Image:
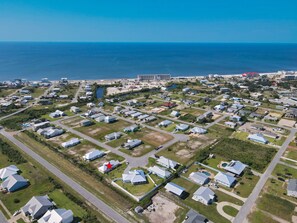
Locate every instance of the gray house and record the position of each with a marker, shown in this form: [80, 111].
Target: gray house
[37, 206]
[14, 183]
[194, 217]
[292, 188]
[132, 128]
[204, 195]
[112, 136]
[134, 177]
[132, 143]
[199, 178]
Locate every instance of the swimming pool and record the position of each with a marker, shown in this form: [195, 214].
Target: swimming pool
[206, 173]
[224, 164]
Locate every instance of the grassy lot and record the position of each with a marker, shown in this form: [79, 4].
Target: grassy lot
[276, 206]
[100, 189]
[240, 135]
[246, 184]
[284, 171]
[4, 212]
[217, 131]
[209, 211]
[291, 153]
[230, 210]
[37, 92]
[6, 92]
[21, 221]
[259, 217]
[62, 200]
[214, 162]
[256, 157]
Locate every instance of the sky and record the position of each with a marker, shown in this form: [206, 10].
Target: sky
[260, 21]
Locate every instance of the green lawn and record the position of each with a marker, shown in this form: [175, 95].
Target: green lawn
[230, 210]
[6, 92]
[137, 190]
[257, 157]
[246, 185]
[240, 135]
[284, 171]
[218, 131]
[259, 217]
[276, 206]
[62, 201]
[21, 221]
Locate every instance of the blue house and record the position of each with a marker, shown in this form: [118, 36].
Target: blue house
[14, 182]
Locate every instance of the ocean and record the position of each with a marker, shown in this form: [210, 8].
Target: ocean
[82, 61]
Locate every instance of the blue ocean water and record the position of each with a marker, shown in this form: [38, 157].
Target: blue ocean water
[34, 61]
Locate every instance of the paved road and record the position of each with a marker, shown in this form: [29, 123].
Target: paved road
[100, 205]
[246, 208]
[74, 100]
[14, 113]
[2, 218]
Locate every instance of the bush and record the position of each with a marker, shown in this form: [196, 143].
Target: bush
[12, 154]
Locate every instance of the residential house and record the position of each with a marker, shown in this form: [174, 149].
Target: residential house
[94, 154]
[168, 163]
[8, 171]
[86, 122]
[174, 114]
[109, 166]
[258, 137]
[165, 123]
[50, 132]
[292, 188]
[194, 217]
[132, 128]
[236, 167]
[134, 177]
[37, 206]
[182, 127]
[199, 178]
[109, 119]
[142, 117]
[291, 113]
[160, 172]
[257, 127]
[14, 183]
[117, 109]
[175, 189]
[256, 115]
[71, 142]
[74, 109]
[198, 130]
[219, 107]
[132, 143]
[40, 125]
[235, 118]
[57, 114]
[150, 119]
[112, 136]
[57, 216]
[204, 195]
[231, 125]
[225, 179]
[169, 104]
[136, 114]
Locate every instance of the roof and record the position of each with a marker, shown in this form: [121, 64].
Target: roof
[198, 177]
[257, 137]
[198, 130]
[93, 154]
[10, 182]
[131, 143]
[292, 185]
[35, 204]
[235, 166]
[225, 178]
[161, 172]
[71, 142]
[165, 122]
[205, 193]
[57, 216]
[174, 188]
[131, 128]
[163, 161]
[113, 164]
[135, 176]
[194, 217]
[182, 127]
[8, 171]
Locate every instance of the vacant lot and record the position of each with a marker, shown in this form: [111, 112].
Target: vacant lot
[257, 157]
[276, 206]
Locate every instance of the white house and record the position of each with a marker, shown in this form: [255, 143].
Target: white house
[236, 167]
[109, 166]
[8, 171]
[174, 114]
[165, 162]
[37, 206]
[74, 109]
[198, 130]
[175, 189]
[71, 142]
[132, 143]
[225, 179]
[204, 195]
[199, 178]
[109, 119]
[134, 177]
[160, 172]
[182, 127]
[165, 123]
[57, 216]
[57, 114]
[112, 136]
[93, 155]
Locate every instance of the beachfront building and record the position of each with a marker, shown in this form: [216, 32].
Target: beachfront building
[258, 137]
[153, 77]
[175, 189]
[199, 178]
[134, 177]
[204, 195]
[95, 154]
